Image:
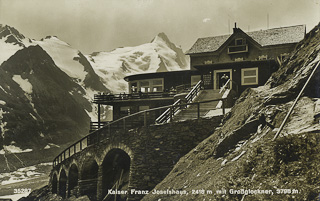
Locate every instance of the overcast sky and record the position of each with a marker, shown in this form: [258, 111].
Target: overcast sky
[103, 25]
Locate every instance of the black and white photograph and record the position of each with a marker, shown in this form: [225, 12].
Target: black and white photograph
[159, 100]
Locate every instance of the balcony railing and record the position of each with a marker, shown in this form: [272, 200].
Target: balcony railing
[237, 49]
[97, 125]
[139, 95]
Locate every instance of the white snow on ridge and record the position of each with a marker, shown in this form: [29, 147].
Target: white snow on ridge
[62, 54]
[13, 149]
[2, 102]
[7, 50]
[24, 84]
[115, 65]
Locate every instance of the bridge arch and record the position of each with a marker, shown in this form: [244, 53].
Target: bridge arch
[54, 183]
[73, 178]
[116, 173]
[62, 183]
[115, 146]
[89, 178]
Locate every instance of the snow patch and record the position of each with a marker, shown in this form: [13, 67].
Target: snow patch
[2, 123]
[45, 164]
[92, 116]
[35, 118]
[3, 89]
[14, 149]
[24, 84]
[54, 145]
[7, 50]
[237, 157]
[2, 102]
[22, 174]
[216, 112]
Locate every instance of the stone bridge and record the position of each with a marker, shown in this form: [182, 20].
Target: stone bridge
[126, 159]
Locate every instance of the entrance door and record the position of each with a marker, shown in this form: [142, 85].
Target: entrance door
[221, 77]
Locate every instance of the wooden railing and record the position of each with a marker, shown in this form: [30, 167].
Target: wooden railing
[140, 119]
[139, 95]
[169, 113]
[194, 92]
[225, 86]
[97, 125]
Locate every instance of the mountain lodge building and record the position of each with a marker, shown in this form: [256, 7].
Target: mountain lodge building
[248, 59]
[242, 59]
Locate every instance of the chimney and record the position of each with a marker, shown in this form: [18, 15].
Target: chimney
[235, 28]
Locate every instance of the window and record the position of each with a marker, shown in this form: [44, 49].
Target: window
[239, 46]
[143, 107]
[240, 41]
[124, 111]
[157, 85]
[145, 87]
[133, 87]
[249, 76]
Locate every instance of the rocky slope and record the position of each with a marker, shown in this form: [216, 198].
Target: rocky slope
[242, 154]
[46, 91]
[160, 55]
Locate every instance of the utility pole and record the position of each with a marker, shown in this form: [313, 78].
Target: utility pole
[267, 20]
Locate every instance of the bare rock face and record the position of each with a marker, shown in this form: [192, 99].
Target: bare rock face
[46, 97]
[38, 107]
[11, 34]
[242, 155]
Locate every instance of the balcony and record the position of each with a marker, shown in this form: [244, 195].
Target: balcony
[237, 49]
[109, 98]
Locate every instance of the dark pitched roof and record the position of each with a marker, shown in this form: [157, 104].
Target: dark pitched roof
[276, 36]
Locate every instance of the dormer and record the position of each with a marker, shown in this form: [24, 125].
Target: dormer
[239, 45]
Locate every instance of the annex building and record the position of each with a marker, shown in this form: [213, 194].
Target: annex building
[248, 59]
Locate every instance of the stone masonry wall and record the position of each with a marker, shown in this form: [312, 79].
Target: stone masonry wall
[153, 151]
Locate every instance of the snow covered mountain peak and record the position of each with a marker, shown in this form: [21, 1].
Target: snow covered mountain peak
[160, 55]
[11, 40]
[54, 39]
[161, 36]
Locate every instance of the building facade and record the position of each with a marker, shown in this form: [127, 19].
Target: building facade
[248, 59]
